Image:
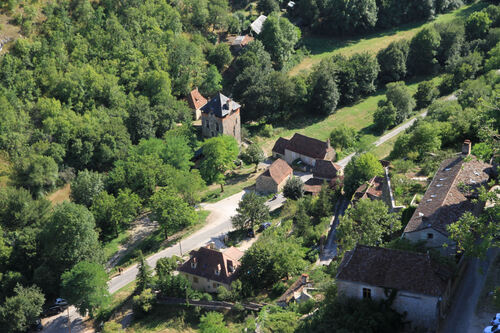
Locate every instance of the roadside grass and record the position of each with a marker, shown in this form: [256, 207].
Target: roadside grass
[117, 300]
[485, 302]
[156, 241]
[358, 116]
[322, 47]
[383, 151]
[60, 195]
[111, 247]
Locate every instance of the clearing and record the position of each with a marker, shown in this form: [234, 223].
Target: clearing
[322, 47]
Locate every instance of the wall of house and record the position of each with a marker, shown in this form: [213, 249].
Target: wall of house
[196, 114]
[291, 156]
[421, 310]
[266, 184]
[231, 125]
[330, 155]
[203, 284]
[210, 125]
[437, 240]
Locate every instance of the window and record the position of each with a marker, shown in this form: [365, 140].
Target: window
[216, 285]
[217, 127]
[430, 236]
[195, 279]
[208, 126]
[367, 293]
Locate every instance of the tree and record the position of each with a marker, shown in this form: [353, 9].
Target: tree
[144, 274]
[423, 51]
[294, 188]
[385, 115]
[143, 303]
[474, 235]
[399, 95]
[213, 322]
[493, 61]
[220, 56]
[220, 153]
[367, 223]
[322, 207]
[360, 168]
[251, 210]
[69, 237]
[392, 61]
[426, 94]
[171, 212]
[86, 287]
[477, 25]
[218, 11]
[279, 37]
[268, 6]
[165, 266]
[212, 82]
[36, 173]
[253, 154]
[325, 94]
[343, 137]
[19, 312]
[86, 186]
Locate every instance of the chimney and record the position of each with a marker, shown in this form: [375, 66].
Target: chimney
[228, 103]
[211, 246]
[466, 147]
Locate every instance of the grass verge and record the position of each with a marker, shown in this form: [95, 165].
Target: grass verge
[322, 47]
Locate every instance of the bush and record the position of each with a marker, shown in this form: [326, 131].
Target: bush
[267, 130]
[143, 303]
[112, 327]
[278, 289]
[294, 188]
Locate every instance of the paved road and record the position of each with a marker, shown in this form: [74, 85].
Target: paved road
[461, 317]
[330, 250]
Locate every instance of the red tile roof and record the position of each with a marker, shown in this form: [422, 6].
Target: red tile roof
[278, 171]
[196, 100]
[401, 270]
[371, 190]
[204, 262]
[445, 200]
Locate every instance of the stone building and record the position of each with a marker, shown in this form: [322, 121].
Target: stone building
[302, 147]
[221, 115]
[421, 286]
[274, 178]
[196, 101]
[450, 194]
[209, 269]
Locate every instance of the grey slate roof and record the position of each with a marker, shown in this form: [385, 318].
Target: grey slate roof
[220, 105]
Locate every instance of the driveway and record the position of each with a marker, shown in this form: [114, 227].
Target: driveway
[461, 317]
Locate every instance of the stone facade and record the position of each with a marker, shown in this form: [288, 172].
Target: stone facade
[265, 184]
[204, 284]
[422, 310]
[433, 239]
[229, 125]
[291, 156]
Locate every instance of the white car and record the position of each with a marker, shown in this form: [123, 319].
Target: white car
[496, 320]
[61, 302]
[492, 329]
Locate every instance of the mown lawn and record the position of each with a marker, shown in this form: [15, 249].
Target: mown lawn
[236, 182]
[322, 47]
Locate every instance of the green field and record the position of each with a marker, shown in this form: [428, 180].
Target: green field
[358, 116]
[322, 47]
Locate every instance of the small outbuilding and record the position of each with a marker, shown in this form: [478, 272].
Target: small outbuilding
[196, 101]
[274, 178]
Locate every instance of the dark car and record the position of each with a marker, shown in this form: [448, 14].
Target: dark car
[264, 226]
[251, 233]
[53, 310]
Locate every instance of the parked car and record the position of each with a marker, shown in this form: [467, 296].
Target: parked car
[492, 329]
[496, 320]
[61, 302]
[264, 226]
[53, 310]
[251, 233]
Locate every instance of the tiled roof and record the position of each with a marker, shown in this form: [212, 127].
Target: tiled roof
[196, 100]
[401, 270]
[371, 190]
[297, 286]
[445, 200]
[280, 145]
[325, 169]
[307, 146]
[313, 185]
[208, 261]
[220, 105]
[278, 171]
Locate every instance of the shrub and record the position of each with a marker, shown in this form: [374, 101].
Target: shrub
[267, 130]
[294, 188]
[143, 303]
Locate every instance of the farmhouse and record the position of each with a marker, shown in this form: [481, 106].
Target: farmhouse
[421, 285]
[304, 148]
[450, 194]
[274, 178]
[221, 115]
[208, 269]
[196, 101]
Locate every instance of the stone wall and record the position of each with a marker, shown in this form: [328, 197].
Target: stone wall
[229, 125]
[435, 241]
[265, 184]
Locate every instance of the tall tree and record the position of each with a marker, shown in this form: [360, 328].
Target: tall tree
[144, 274]
[86, 186]
[367, 223]
[422, 58]
[19, 312]
[361, 168]
[399, 95]
[343, 137]
[251, 210]
[324, 92]
[85, 286]
[253, 154]
[294, 188]
[171, 212]
[219, 155]
[213, 322]
[392, 61]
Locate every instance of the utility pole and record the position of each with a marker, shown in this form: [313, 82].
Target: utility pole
[69, 322]
[180, 248]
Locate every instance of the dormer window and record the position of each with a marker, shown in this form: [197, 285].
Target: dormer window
[194, 263]
[217, 270]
